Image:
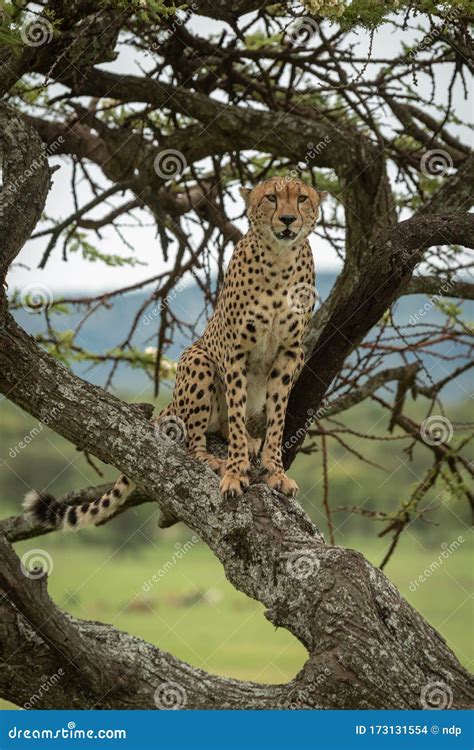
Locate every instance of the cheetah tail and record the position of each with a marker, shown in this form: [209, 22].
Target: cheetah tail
[45, 509]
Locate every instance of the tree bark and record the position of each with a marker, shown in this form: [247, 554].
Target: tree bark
[367, 647]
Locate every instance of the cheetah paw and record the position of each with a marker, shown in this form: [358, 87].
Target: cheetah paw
[277, 480]
[217, 465]
[233, 484]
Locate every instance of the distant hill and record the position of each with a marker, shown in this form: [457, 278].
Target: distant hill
[108, 327]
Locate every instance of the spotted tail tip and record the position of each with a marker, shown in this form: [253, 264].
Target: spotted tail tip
[42, 508]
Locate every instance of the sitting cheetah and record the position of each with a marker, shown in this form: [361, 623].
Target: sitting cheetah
[248, 357]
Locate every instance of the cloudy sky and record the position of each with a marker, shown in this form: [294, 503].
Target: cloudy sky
[79, 275]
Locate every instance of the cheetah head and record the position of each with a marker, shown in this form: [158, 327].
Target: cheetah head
[283, 211]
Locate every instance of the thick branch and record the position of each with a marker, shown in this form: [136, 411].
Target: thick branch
[27, 591]
[357, 395]
[395, 255]
[353, 623]
[436, 286]
[124, 672]
[259, 540]
[25, 183]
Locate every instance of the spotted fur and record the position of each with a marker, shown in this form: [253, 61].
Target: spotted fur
[248, 357]
[46, 510]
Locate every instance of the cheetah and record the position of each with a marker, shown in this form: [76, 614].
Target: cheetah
[248, 358]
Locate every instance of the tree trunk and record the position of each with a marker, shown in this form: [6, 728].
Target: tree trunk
[367, 648]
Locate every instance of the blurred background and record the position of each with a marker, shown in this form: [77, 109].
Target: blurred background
[189, 608]
[89, 286]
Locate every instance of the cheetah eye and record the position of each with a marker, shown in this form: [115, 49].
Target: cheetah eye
[271, 198]
[302, 198]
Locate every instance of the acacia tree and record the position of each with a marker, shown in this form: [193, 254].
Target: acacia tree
[281, 90]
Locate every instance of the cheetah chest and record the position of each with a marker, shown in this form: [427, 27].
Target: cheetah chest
[259, 364]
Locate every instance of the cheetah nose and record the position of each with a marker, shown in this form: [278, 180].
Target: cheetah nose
[286, 219]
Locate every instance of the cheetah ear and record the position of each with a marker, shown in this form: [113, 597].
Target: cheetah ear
[322, 195]
[245, 192]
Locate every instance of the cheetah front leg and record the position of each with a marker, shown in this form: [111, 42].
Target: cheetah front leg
[286, 368]
[235, 478]
[253, 444]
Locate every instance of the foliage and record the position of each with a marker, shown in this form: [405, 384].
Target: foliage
[290, 90]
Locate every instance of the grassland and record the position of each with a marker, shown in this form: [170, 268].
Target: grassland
[194, 613]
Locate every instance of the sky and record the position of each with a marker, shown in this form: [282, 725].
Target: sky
[78, 275]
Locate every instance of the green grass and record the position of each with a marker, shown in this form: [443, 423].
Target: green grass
[194, 613]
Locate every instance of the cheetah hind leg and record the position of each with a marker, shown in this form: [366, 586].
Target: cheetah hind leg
[192, 402]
